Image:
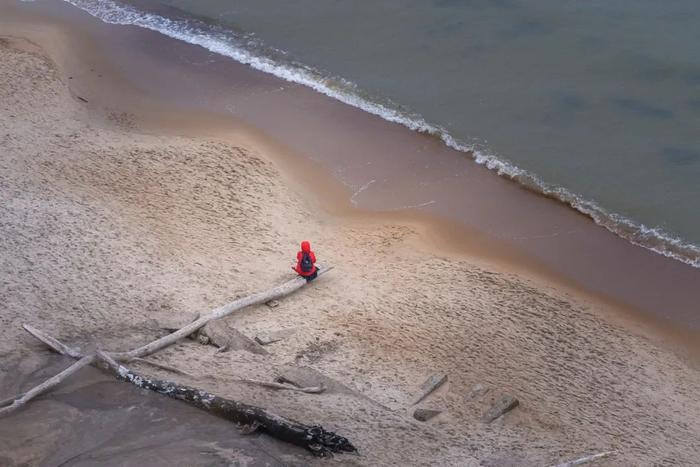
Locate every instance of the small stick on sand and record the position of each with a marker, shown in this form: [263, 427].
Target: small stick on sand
[164, 367]
[585, 460]
[289, 387]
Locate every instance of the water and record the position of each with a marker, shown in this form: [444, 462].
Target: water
[596, 103]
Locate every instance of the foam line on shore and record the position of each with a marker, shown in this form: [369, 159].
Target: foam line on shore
[246, 51]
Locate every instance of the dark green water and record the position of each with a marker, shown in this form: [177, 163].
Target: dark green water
[596, 102]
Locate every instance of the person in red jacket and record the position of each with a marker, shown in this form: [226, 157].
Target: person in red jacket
[306, 262]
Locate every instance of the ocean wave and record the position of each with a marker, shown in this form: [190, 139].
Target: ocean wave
[244, 50]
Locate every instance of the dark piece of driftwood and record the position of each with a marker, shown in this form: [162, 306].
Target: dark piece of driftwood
[313, 438]
[423, 415]
[586, 460]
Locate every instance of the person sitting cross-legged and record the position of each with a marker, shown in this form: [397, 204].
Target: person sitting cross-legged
[306, 262]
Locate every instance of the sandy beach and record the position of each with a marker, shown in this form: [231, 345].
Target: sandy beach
[121, 214]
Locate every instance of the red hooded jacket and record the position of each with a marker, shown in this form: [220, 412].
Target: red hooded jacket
[305, 248]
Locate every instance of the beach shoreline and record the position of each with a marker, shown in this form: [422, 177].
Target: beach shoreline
[556, 243]
[384, 167]
[508, 320]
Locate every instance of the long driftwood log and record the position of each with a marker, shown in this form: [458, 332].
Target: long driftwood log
[314, 438]
[255, 299]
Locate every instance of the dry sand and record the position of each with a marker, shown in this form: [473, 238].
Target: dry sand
[106, 229]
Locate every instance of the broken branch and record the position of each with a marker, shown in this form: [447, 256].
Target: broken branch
[46, 385]
[585, 460]
[218, 313]
[57, 346]
[289, 387]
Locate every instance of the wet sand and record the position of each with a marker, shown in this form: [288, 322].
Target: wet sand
[125, 209]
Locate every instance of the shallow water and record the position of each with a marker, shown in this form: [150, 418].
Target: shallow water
[598, 101]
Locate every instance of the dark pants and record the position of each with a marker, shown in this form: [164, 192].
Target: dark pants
[311, 276]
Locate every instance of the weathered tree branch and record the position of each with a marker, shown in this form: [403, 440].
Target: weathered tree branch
[254, 299]
[218, 313]
[57, 346]
[46, 385]
[585, 460]
[314, 438]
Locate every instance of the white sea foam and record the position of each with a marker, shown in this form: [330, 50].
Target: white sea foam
[241, 50]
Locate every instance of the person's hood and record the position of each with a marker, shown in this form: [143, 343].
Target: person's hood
[305, 246]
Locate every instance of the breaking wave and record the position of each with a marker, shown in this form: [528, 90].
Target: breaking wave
[250, 51]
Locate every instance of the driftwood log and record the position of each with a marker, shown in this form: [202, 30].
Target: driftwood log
[314, 438]
[218, 313]
[165, 341]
